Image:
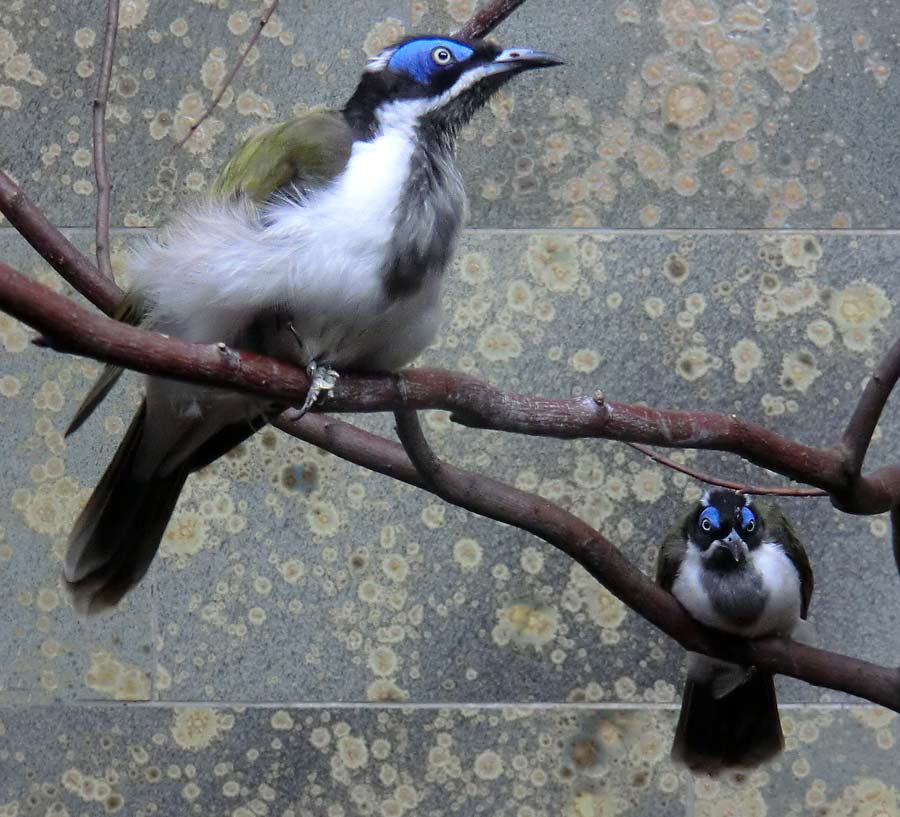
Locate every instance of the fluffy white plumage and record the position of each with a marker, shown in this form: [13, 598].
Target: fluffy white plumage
[218, 266]
[780, 580]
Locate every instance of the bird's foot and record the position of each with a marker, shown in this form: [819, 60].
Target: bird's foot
[321, 381]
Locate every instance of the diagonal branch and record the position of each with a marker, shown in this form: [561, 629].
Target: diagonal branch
[101, 164]
[486, 19]
[861, 427]
[503, 503]
[55, 248]
[260, 25]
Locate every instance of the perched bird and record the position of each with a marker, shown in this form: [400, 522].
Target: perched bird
[737, 567]
[324, 243]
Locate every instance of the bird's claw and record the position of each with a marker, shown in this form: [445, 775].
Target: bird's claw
[321, 381]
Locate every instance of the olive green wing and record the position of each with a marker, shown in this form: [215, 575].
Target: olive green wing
[779, 529]
[671, 553]
[132, 311]
[303, 154]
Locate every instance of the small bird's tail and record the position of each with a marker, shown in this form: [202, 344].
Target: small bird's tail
[118, 533]
[740, 730]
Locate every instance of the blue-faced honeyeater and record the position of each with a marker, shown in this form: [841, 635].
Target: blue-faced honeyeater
[324, 243]
[738, 566]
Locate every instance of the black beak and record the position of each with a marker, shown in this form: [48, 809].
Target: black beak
[524, 59]
[734, 546]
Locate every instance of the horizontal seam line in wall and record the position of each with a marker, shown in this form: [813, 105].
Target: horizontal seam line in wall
[375, 706]
[599, 231]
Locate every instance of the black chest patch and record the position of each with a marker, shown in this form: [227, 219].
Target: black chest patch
[428, 222]
[737, 595]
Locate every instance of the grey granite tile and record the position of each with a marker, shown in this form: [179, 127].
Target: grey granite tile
[46, 652]
[172, 56]
[668, 112]
[689, 113]
[837, 761]
[337, 762]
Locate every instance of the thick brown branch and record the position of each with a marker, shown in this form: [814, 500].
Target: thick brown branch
[55, 248]
[72, 329]
[495, 500]
[486, 19]
[101, 164]
[709, 479]
[859, 431]
[260, 25]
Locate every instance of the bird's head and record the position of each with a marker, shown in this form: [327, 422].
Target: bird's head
[725, 528]
[435, 83]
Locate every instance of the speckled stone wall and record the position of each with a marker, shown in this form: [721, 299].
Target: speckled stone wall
[698, 210]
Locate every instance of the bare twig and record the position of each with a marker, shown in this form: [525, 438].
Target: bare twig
[495, 500]
[486, 19]
[756, 490]
[55, 248]
[101, 164]
[260, 25]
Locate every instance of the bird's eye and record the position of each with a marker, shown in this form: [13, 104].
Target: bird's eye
[709, 519]
[442, 55]
[748, 520]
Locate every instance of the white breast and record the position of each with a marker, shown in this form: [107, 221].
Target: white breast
[780, 580]
[216, 266]
[782, 583]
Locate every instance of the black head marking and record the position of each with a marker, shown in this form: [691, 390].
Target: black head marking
[722, 512]
[435, 68]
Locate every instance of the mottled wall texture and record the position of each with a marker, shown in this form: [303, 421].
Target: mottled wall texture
[698, 210]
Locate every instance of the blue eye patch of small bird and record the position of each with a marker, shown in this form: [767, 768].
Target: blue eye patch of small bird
[710, 519]
[748, 520]
[423, 59]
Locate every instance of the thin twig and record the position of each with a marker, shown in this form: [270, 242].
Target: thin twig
[260, 25]
[101, 163]
[55, 248]
[756, 490]
[503, 503]
[486, 19]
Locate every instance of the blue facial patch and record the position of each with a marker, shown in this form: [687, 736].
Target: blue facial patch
[711, 517]
[422, 59]
[748, 519]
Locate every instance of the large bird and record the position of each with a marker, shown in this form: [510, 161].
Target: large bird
[325, 242]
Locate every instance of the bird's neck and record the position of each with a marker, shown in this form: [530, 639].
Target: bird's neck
[430, 204]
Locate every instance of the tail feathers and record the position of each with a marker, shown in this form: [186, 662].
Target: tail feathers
[118, 533]
[740, 730]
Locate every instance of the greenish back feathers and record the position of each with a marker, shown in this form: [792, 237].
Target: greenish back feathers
[307, 152]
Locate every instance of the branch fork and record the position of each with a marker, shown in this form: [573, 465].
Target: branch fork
[836, 472]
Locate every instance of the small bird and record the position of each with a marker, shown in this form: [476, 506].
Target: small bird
[324, 243]
[737, 567]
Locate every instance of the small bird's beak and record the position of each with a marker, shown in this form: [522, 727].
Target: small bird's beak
[735, 546]
[524, 59]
